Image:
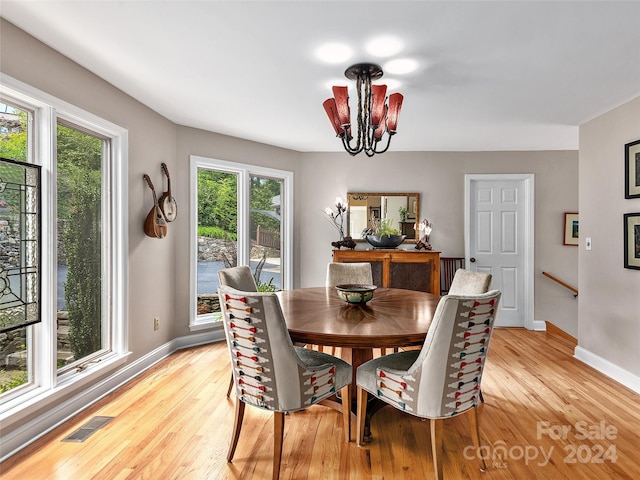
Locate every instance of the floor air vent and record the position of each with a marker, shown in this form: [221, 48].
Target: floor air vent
[89, 428]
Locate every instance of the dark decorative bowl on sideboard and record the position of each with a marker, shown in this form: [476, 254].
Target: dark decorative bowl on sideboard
[385, 241]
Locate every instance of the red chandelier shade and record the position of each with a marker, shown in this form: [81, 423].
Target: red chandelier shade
[395, 104]
[332, 112]
[378, 96]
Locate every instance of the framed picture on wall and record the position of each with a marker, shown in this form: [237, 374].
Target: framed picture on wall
[632, 169]
[571, 229]
[632, 240]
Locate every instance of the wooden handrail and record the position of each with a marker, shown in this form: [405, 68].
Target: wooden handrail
[565, 285]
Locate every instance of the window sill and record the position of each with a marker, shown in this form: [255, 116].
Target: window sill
[29, 404]
[205, 322]
[194, 327]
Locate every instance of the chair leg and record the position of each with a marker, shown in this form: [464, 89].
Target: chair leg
[278, 435]
[362, 414]
[436, 446]
[346, 413]
[475, 434]
[237, 426]
[230, 386]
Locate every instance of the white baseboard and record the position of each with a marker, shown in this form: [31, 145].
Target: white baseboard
[35, 428]
[611, 370]
[535, 325]
[539, 326]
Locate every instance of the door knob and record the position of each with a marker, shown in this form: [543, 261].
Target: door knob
[472, 260]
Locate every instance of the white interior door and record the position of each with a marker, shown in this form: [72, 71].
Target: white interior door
[499, 241]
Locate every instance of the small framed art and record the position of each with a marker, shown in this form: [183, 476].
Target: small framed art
[632, 240]
[571, 229]
[632, 170]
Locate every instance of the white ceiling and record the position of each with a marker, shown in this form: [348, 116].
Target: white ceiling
[492, 75]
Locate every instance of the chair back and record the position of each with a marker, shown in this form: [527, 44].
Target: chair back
[444, 380]
[267, 371]
[345, 273]
[466, 282]
[239, 277]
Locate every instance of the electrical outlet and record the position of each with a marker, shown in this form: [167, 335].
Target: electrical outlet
[156, 323]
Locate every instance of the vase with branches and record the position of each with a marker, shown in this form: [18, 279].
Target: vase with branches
[336, 217]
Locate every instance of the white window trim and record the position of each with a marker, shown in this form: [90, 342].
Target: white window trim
[244, 171]
[50, 387]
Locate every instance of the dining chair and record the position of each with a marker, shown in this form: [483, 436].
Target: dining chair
[354, 272]
[467, 282]
[240, 278]
[345, 273]
[271, 373]
[442, 379]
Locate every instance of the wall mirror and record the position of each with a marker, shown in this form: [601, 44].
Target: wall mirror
[402, 209]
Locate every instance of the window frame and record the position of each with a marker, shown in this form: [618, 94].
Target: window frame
[48, 384]
[244, 172]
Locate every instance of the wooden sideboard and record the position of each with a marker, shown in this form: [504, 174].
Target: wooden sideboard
[408, 269]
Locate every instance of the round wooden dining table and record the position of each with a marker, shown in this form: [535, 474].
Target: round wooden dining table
[392, 318]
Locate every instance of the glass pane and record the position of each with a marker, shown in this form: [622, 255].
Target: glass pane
[14, 132]
[16, 368]
[217, 233]
[19, 244]
[265, 232]
[79, 321]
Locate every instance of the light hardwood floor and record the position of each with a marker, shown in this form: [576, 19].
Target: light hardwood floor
[174, 422]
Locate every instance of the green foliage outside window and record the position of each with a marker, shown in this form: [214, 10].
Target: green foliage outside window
[13, 136]
[79, 162]
[217, 200]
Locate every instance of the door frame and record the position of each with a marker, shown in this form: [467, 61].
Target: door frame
[528, 182]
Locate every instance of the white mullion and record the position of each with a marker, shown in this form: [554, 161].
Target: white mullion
[244, 242]
[45, 347]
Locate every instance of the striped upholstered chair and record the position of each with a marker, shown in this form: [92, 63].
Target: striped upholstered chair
[467, 282]
[240, 278]
[269, 372]
[442, 379]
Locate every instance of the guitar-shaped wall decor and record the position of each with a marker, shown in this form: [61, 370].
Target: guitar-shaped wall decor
[167, 202]
[155, 225]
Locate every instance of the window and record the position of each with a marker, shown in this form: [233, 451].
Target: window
[20, 225]
[82, 329]
[16, 372]
[241, 215]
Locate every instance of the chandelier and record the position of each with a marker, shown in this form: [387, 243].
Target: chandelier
[375, 116]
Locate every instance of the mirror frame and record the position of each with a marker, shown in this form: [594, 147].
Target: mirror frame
[350, 196]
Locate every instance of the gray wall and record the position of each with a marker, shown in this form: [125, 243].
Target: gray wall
[439, 177]
[609, 305]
